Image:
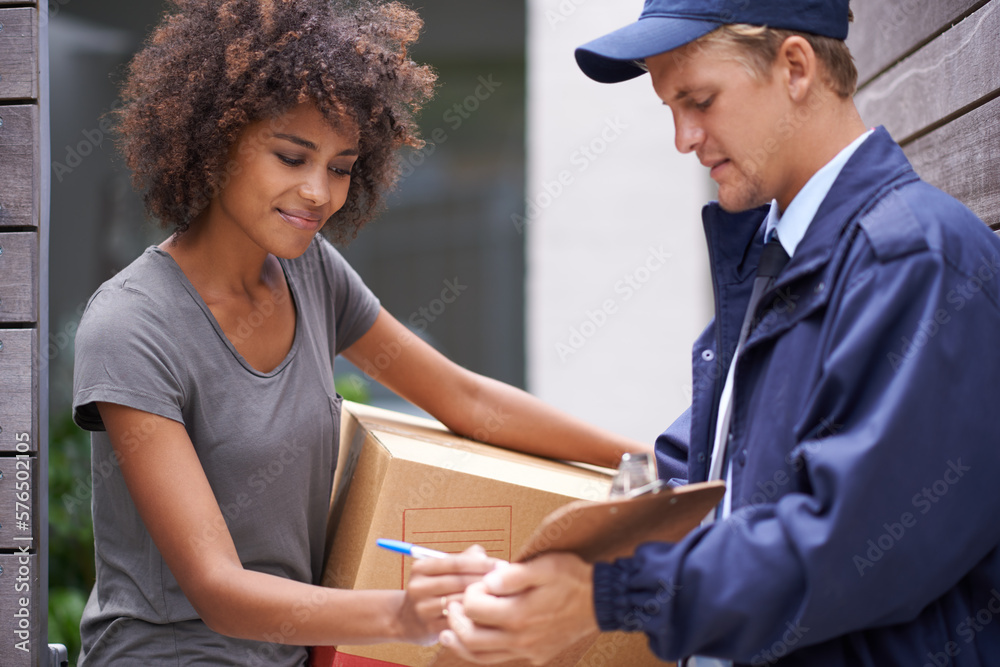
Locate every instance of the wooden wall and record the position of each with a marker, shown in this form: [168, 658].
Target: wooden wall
[930, 72]
[23, 306]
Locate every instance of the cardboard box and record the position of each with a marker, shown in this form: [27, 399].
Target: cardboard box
[408, 478]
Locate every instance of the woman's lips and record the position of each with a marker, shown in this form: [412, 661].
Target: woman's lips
[304, 220]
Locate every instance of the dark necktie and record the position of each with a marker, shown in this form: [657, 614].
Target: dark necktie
[772, 261]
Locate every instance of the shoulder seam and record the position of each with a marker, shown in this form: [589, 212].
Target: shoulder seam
[945, 261]
[903, 237]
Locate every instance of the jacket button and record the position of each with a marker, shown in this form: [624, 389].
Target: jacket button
[743, 457]
[701, 457]
[708, 355]
[820, 288]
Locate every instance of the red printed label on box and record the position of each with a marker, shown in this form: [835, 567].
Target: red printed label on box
[455, 529]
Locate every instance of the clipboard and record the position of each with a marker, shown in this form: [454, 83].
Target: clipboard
[605, 530]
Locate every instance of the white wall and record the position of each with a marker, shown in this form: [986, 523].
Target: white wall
[610, 321]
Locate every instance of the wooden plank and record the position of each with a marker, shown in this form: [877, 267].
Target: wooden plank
[18, 502]
[19, 176]
[20, 640]
[18, 54]
[886, 30]
[19, 398]
[43, 158]
[19, 277]
[963, 159]
[954, 72]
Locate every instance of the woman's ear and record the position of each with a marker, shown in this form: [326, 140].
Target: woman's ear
[798, 65]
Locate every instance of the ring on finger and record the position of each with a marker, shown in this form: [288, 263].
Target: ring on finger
[444, 605]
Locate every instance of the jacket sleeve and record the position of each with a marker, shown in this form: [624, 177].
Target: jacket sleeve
[672, 450]
[882, 522]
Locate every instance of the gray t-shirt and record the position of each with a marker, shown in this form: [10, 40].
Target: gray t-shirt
[267, 442]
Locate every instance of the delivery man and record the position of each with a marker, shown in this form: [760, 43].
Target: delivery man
[851, 408]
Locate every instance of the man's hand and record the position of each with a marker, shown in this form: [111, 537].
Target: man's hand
[534, 610]
[433, 584]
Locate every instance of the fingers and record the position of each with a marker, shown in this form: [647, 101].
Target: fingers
[471, 561]
[434, 610]
[436, 582]
[543, 608]
[434, 587]
[491, 645]
[513, 579]
[432, 578]
[428, 614]
[489, 610]
[518, 578]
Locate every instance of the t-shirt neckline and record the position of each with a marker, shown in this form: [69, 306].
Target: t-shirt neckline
[196, 297]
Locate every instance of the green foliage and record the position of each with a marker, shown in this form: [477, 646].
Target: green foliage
[71, 531]
[353, 387]
[65, 609]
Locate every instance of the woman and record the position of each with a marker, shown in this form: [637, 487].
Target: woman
[251, 125]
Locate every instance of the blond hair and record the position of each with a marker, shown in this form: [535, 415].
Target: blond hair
[756, 48]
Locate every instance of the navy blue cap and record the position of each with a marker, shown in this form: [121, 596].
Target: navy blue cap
[668, 24]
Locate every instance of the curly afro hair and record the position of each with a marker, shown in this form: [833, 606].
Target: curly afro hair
[211, 68]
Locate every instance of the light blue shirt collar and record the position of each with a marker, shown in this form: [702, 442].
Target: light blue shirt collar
[793, 224]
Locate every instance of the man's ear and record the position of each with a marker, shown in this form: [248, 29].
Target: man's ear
[798, 67]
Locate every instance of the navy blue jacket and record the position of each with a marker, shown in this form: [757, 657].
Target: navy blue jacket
[865, 446]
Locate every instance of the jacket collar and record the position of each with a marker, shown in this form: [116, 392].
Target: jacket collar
[735, 240]
[878, 162]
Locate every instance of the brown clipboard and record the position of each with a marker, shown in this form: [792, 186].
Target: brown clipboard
[604, 530]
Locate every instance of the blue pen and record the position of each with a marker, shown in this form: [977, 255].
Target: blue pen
[407, 549]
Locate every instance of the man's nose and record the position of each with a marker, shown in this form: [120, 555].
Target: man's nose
[687, 135]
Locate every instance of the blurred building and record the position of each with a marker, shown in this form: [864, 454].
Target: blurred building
[554, 210]
[618, 286]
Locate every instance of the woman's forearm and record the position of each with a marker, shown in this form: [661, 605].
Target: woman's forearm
[253, 605]
[479, 407]
[509, 417]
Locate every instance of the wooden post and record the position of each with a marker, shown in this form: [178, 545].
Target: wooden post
[24, 159]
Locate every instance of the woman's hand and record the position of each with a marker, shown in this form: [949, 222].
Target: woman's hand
[436, 582]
